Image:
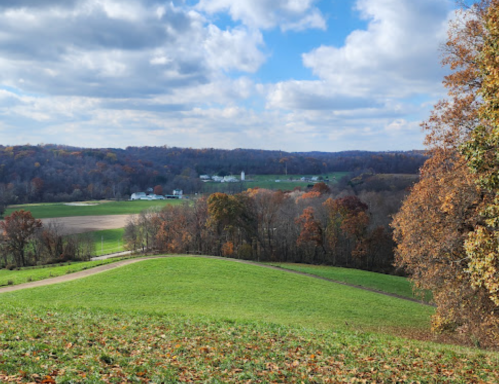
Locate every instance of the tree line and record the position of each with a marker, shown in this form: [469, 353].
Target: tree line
[51, 173]
[313, 227]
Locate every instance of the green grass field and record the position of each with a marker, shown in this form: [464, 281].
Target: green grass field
[215, 321]
[224, 289]
[108, 241]
[381, 282]
[25, 275]
[48, 210]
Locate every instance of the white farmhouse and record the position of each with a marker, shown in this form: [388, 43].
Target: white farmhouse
[138, 196]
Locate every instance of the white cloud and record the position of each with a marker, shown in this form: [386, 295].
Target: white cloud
[266, 14]
[396, 56]
[235, 49]
[106, 48]
[368, 87]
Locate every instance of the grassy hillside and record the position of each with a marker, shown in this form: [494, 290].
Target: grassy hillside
[48, 210]
[88, 346]
[214, 321]
[26, 275]
[381, 282]
[224, 289]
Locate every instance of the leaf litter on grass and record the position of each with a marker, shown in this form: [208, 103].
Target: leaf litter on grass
[86, 346]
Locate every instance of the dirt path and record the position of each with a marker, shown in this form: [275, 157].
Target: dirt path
[102, 268]
[80, 224]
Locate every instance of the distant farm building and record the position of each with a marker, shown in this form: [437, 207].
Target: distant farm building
[143, 196]
[243, 176]
[205, 177]
[138, 196]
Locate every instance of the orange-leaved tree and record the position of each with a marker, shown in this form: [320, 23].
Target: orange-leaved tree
[445, 207]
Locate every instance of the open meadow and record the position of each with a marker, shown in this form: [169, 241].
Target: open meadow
[187, 319]
[97, 208]
[396, 285]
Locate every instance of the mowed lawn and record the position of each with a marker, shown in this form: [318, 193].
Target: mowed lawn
[377, 281]
[50, 210]
[227, 290]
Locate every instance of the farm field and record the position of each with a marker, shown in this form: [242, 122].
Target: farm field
[51, 210]
[381, 282]
[205, 320]
[268, 182]
[81, 224]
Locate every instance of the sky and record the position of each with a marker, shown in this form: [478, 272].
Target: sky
[292, 75]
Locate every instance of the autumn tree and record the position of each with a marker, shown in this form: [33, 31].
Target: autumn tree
[440, 227]
[158, 190]
[346, 227]
[175, 231]
[311, 233]
[17, 228]
[482, 156]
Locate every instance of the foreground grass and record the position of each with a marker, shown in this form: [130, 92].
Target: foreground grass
[215, 321]
[108, 241]
[378, 281]
[89, 346]
[26, 275]
[223, 289]
[50, 210]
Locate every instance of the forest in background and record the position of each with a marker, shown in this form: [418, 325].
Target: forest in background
[50, 173]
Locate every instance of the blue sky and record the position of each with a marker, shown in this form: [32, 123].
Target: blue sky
[294, 75]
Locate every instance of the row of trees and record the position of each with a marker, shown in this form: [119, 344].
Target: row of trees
[24, 241]
[312, 227]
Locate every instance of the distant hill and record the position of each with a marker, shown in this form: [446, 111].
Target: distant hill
[57, 173]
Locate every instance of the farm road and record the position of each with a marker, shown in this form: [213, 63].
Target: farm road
[80, 224]
[102, 268]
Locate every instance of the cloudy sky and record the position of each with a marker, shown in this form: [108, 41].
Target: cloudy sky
[295, 75]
